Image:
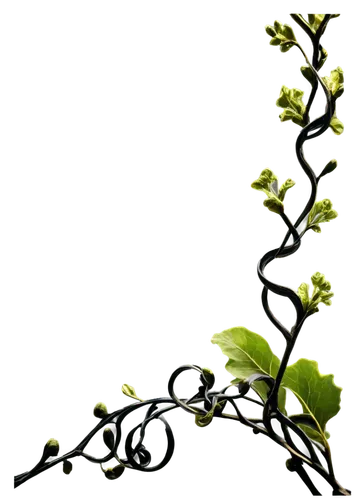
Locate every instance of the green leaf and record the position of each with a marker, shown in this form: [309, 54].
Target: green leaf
[129, 390]
[314, 434]
[287, 115]
[275, 41]
[305, 71]
[336, 125]
[283, 189]
[273, 204]
[310, 427]
[317, 393]
[248, 354]
[335, 80]
[302, 292]
[291, 101]
[285, 47]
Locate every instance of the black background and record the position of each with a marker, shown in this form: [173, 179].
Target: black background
[132, 229]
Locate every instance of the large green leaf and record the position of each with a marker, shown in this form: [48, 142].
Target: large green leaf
[249, 353]
[317, 393]
[293, 107]
[314, 434]
[309, 426]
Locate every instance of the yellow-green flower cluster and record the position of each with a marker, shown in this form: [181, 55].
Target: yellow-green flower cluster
[281, 34]
[322, 212]
[316, 292]
[268, 183]
[335, 80]
[291, 101]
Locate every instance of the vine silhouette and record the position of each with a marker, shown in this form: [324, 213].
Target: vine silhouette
[259, 376]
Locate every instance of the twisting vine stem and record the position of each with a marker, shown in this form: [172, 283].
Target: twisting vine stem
[267, 382]
[320, 125]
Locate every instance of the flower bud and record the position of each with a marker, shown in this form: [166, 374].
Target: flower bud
[318, 279]
[326, 286]
[287, 32]
[67, 467]
[108, 438]
[287, 184]
[100, 410]
[52, 448]
[290, 464]
[327, 204]
[325, 298]
[207, 377]
[115, 472]
[278, 26]
[332, 165]
[270, 30]
[331, 214]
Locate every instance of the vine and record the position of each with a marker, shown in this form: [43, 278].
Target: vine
[258, 375]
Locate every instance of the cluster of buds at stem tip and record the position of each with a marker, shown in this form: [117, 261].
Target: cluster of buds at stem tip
[323, 211]
[321, 293]
[275, 191]
[291, 101]
[335, 82]
[282, 35]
